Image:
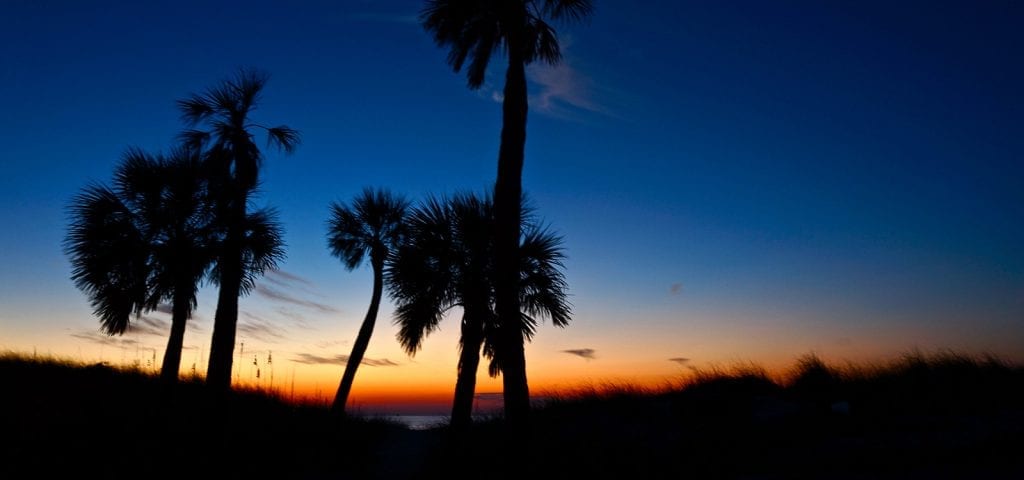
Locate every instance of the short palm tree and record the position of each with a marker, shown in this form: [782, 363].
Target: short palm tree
[447, 262]
[145, 242]
[474, 30]
[371, 227]
[233, 161]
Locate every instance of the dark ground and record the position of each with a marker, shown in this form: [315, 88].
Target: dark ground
[942, 417]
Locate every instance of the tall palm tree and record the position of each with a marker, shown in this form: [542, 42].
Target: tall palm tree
[233, 160]
[372, 226]
[145, 242]
[475, 30]
[447, 262]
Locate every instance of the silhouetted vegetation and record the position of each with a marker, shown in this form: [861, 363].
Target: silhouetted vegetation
[250, 244]
[372, 226]
[64, 419]
[148, 240]
[474, 31]
[939, 416]
[447, 261]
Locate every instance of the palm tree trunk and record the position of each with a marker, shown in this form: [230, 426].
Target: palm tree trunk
[362, 339]
[179, 319]
[225, 320]
[469, 361]
[507, 213]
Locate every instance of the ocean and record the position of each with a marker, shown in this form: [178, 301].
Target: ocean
[418, 422]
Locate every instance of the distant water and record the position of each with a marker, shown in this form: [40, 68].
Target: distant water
[418, 422]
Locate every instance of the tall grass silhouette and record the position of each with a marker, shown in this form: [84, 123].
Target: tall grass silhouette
[942, 415]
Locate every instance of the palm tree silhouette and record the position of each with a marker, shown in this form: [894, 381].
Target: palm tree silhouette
[474, 30]
[145, 242]
[233, 161]
[447, 261]
[371, 227]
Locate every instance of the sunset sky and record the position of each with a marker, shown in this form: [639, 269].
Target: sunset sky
[735, 181]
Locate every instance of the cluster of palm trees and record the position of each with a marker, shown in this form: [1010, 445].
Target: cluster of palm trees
[154, 236]
[475, 30]
[169, 221]
[436, 257]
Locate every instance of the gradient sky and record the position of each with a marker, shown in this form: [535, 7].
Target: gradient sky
[735, 180]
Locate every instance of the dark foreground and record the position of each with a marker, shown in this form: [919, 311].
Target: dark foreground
[939, 417]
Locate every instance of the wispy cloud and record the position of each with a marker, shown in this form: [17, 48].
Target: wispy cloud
[292, 314]
[680, 360]
[282, 277]
[258, 328]
[675, 289]
[329, 343]
[310, 359]
[275, 294]
[297, 318]
[566, 91]
[168, 309]
[587, 353]
[285, 279]
[147, 325]
[105, 339]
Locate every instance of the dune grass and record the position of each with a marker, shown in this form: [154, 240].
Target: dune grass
[118, 422]
[943, 415]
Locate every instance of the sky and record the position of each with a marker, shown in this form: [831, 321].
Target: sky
[735, 181]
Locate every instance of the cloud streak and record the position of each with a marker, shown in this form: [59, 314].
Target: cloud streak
[311, 359]
[258, 328]
[329, 343]
[587, 353]
[680, 360]
[282, 277]
[564, 91]
[105, 339]
[275, 294]
[147, 325]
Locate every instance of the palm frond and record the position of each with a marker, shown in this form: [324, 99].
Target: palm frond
[262, 246]
[568, 10]
[195, 109]
[138, 180]
[417, 320]
[283, 137]
[541, 42]
[470, 29]
[108, 256]
[346, 236]
[248, 83]
[194, 139]
[543, 288]
[485, 39]
[372, 225]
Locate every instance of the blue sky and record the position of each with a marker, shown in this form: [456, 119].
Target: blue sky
[814, 175]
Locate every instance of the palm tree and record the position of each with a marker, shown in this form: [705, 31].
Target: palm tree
[447, 262]
[474, 30]
[371, 227]
[233, 160]
[143, 243]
